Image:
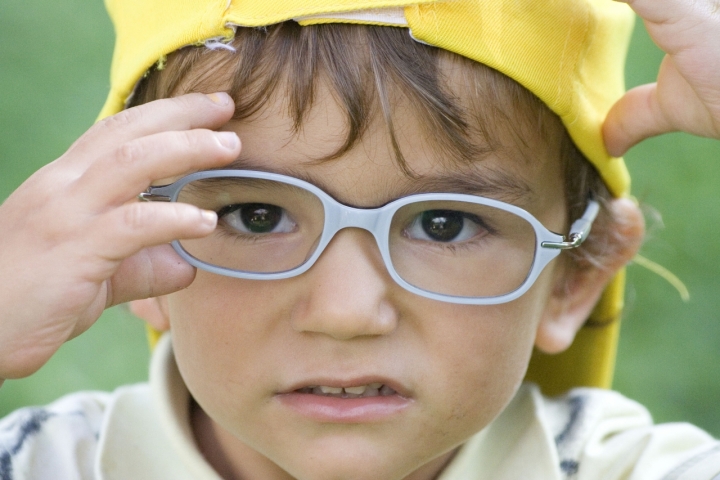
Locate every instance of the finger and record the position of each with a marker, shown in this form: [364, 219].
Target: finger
[134, 165]
[658, 11]
[126, 230]
[151, 272]
[186, 112]
[669, 12]
[680, 25]
[633, 118]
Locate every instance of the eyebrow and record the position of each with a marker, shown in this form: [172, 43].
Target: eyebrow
[484, 181]
[481, 180]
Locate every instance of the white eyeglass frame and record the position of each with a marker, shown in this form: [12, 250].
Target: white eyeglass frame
[377, 221]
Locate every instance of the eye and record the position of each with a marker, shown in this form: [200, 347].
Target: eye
[256, 218]
[445, 226]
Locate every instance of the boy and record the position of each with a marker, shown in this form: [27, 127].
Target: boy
[343, 371]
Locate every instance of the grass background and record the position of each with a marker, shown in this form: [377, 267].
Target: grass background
[54, 63]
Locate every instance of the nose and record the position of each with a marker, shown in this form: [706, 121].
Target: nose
[346, 290]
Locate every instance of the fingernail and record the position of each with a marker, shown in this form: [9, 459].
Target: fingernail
[209, 218]
[228, 140]
[221, 98]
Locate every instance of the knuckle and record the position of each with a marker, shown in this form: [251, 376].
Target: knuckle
[185, 141]
[195, 142]
[136, 217]
[184, 215]
[122, 120]
[129, 153]
[189, 101]
[185, 101]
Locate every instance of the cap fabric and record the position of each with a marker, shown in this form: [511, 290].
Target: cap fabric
[569, 53]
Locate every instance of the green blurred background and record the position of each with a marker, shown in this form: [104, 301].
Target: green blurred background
[54, 63]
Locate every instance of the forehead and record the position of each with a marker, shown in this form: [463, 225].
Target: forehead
[415, 128]
[524, 174]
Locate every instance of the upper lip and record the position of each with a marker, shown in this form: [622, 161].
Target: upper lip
[337, 382]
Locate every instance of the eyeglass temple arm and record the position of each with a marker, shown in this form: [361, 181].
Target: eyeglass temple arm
[579, 230]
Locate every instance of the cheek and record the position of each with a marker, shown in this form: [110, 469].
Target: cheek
[479, 358]
[223, 331]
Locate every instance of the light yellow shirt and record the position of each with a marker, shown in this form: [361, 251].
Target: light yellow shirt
[142, 432]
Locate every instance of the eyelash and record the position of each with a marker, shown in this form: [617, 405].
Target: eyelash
[453, 247]
[232, 234]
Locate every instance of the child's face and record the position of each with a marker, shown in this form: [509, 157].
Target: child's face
[246, 348]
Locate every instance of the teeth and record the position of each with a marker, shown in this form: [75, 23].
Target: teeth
[330, 390]
[371, 390]
[356, 390]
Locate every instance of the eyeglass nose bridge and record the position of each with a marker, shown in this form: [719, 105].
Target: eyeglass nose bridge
[351, 217]
[340, 217]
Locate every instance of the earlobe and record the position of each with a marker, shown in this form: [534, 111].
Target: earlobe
[153, 311]
[570, 304]
[578, 288]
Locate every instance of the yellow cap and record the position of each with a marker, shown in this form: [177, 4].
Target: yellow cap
[569, 53]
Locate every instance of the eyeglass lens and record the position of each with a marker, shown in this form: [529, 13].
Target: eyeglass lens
[446, 247]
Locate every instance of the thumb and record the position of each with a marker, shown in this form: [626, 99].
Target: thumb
[151, 272]
[633, 118]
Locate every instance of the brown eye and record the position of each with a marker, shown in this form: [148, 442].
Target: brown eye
[442, 225]
[256, 218]
[446, 226]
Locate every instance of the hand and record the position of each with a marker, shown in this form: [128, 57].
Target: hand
[686, 96]
[74, 240]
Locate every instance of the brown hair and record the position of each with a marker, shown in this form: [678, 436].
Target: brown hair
[367, 69]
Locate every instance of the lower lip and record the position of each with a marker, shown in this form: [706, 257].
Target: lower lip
[345, 410]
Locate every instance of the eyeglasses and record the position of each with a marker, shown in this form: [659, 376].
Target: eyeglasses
[450, 247]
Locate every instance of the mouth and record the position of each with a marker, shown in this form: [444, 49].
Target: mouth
[374, 389]
[346, 402]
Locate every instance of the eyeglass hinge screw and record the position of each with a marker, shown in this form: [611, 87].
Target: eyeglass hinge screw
[153, 197]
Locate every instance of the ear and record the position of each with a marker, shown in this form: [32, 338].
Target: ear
[153, 311]
[577, 290]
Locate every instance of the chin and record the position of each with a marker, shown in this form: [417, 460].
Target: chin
[340, 460]
[355, 471]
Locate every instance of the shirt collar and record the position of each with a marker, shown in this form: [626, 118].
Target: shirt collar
[147, 432]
